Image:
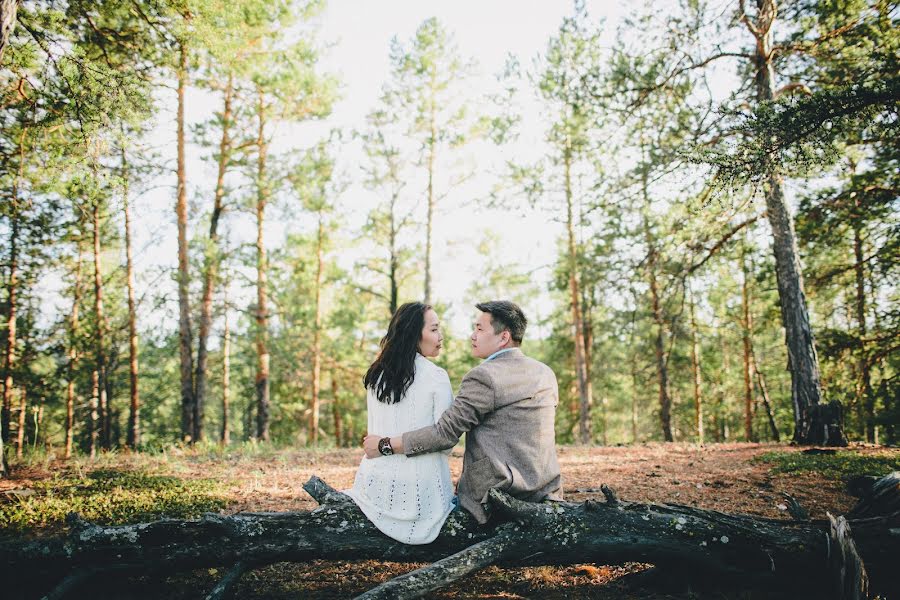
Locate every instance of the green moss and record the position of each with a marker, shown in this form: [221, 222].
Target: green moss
[840, 465]
[109, 496]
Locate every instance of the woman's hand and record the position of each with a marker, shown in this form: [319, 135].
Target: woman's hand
[370, 445]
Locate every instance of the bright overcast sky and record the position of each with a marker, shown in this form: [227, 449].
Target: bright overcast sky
[360, 31]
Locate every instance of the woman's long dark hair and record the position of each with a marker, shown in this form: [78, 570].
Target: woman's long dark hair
[392, 372]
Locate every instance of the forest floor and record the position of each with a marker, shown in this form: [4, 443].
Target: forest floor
[735, 477]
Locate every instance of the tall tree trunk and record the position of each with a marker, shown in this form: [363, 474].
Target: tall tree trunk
[429, 223]
[662, 369]
[581, 375]
[695, 372]
[100, 342]
[73, 351]
[262, 313]
[9, 359]
[764, 393]
[746, 332]
[134, 414]
[226, 372]
[7, 23]
[394, 258]
[317, 340]
[812, 423]
[864, 393]
[20, 432]
[184, 299]
[336, 411]
[94, 414]
[211, 264]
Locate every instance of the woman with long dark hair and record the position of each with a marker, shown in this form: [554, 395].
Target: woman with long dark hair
[407, 498]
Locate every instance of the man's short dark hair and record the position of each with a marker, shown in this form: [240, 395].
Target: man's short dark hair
[505, 316]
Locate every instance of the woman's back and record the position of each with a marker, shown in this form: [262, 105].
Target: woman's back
[407, 498]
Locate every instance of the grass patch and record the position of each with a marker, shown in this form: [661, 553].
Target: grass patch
[109, 496]
[840, 465]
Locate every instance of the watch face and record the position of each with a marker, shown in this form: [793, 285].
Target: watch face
[384, 446]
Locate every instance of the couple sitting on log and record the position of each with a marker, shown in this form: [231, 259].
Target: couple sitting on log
[506, 405]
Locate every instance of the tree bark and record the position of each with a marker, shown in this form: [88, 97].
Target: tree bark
[813, 424]
[100, 346]
[211, 265]
[185, 344]
[73, 351]
[429, 223]
[746, 329]
[864, 393]
[134, 414]
[226, 372]
[20, 432]
[336, 409]
[585, 393]
[765, 553]
[94, 414]
[262, 314]
[695, 372]
[9, 360]
[317, 339]
[7, 24]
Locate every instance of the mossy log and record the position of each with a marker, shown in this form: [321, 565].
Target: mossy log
[707, 544]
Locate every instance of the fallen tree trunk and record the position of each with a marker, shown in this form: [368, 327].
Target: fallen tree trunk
[707, 544]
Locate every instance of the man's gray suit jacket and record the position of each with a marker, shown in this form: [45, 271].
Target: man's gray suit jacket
[506, 406]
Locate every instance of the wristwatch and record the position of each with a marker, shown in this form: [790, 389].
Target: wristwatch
[384, 446]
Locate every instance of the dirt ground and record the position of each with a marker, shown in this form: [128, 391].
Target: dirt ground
[721, 477]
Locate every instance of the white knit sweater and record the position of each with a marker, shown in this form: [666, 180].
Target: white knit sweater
[407, 498]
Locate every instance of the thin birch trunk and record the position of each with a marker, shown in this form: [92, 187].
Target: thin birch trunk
[7, 24]
[134, 414]
[9, 361]
[262, 350]
[864, 394]
[764, 393]
[185, 344]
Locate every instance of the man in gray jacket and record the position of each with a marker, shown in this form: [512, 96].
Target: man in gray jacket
[506, 405]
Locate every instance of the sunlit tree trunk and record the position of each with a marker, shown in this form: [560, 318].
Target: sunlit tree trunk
[94, 414]
[210, 267]
[20, 432]
[73, 351]
[7, 23]
[695, 372]
[746, 332]
[317, 340]
[184, 300]
[134, 415]
[9, 359]
[809, 425]
[100, 342]
[432, 154]
[662, 369]
[226, 373]
[336, 411]
[581, 374]
[864, 393]
[262, 313]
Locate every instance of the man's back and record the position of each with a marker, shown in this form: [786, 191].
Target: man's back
[507, 406]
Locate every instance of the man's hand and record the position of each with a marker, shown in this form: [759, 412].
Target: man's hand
[370, 445]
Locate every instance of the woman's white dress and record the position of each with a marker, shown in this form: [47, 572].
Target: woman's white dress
[408, 498]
